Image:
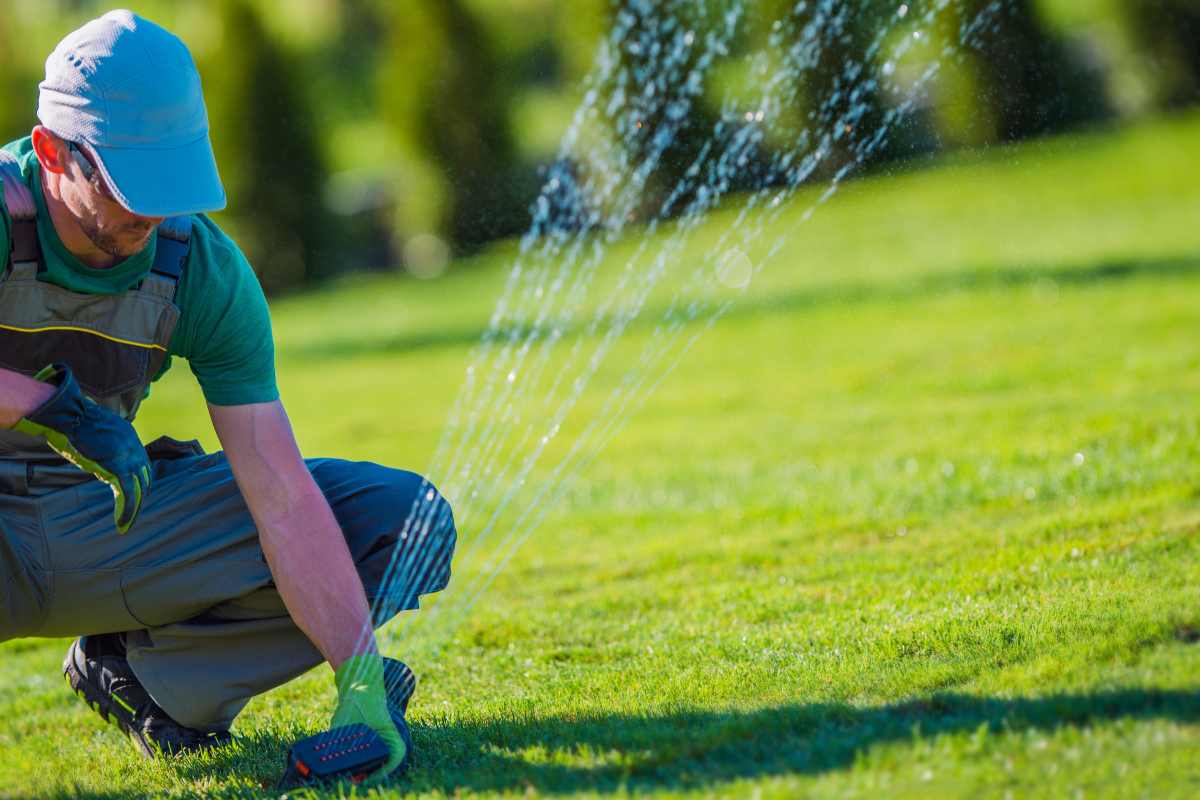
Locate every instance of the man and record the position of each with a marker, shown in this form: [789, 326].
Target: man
[226, 574]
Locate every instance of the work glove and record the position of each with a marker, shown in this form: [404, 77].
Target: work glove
[92, 438]
[363, 699]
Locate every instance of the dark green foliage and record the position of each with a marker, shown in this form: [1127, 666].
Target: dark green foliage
[837, 99]
[1169, 31]
[1031, 79]
[341, 69]
[471, 92]
[662, 45]
[446, 88]
[268, 152]
[842, 101]
[18, 87]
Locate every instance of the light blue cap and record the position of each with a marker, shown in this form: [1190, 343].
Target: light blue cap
[129, 91]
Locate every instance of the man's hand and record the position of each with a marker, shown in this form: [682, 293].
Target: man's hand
[92, 438]
[362, 698]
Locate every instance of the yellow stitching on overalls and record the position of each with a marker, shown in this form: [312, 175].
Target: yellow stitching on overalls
[82, 330]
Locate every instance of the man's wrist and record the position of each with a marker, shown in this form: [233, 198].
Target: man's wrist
[21, 396]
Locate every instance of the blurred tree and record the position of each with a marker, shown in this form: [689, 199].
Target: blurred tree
[835, 49]
[577, 33]
[1032, 79]
[662, 112]
[1169, 31]
[267, 148]
[342, 67]
[18, 87]
[447, 92]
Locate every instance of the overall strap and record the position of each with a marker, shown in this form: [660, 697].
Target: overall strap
[25, 253]
[171, 250]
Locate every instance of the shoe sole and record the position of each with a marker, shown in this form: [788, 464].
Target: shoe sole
[112, 708]
[117, 713]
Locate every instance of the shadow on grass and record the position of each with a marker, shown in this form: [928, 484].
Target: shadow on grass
[978, 279]
[695, 750]
[685, 751]
[254, 762]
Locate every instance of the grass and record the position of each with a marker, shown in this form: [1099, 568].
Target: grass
[918, 519]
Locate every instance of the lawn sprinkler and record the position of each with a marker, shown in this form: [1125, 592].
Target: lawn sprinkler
[350, 752]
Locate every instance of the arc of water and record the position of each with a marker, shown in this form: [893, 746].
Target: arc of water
[627, 199]
[616, 420]
[650, 356]
[629, 192]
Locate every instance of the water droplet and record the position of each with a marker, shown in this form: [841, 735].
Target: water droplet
[734, 269]
[917, 35]
[903, 11]
[512, 376]
[1079, 459]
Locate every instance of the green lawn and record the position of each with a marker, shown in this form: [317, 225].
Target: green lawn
[918, 518]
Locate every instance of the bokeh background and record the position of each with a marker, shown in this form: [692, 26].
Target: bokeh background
[366, 134]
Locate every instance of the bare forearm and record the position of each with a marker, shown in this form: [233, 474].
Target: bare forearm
[19, 395]
[316, 577]
[300, 537]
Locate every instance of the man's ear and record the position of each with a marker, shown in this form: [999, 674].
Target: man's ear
[52, 152]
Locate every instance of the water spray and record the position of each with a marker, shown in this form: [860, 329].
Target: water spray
[515, 400]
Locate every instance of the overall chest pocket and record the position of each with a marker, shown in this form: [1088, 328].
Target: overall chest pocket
[113, 343]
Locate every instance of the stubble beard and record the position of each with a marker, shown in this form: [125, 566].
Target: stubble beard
[122, 243]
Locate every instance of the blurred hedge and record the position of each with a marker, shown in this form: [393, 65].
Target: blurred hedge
[269, 152]
[347, 130]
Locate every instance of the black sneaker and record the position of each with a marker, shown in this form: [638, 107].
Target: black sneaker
[96, 669]
[400, 683]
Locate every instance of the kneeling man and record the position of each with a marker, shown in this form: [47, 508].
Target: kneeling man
[226, 574]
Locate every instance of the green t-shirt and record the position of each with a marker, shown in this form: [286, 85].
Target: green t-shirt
[224, 328]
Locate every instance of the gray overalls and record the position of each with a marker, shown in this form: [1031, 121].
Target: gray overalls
[206, 628]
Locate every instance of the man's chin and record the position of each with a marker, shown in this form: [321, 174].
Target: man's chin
[122, 248]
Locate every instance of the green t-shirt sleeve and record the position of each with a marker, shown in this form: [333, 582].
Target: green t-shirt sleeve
[224, 329]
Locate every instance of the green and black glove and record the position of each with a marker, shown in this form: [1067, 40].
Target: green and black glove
[362, 698]
[94, 439]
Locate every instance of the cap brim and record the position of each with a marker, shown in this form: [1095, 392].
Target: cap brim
[163, 182]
